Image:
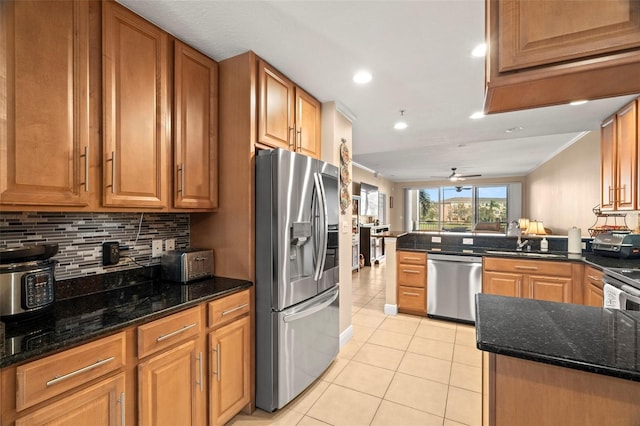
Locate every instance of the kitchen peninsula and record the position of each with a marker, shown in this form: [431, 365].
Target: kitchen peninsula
[577, 365]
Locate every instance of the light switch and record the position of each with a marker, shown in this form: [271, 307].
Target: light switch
[436, 239]
[467, 241]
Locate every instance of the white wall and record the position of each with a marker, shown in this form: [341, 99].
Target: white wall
[562, 191]
[335, 127]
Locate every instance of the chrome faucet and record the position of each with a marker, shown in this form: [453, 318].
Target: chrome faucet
[521, 243]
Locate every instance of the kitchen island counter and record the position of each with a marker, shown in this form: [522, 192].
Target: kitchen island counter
[596, 340]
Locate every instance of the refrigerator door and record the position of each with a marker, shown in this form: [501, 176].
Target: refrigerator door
[308, 341]
[291, 227]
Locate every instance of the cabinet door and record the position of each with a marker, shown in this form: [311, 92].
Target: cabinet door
[276, 111]
[627, 157]
[196, 128]
[308, 124]
[593, 295]
[554, 289]
[45, 87]
[134, 110]
[608, 164]
[170, 387]
[502, 284]
[99, 405]
[412, 300]
[230, 382]
[534, 33]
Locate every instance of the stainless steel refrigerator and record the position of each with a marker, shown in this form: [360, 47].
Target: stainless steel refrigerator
[297, 318]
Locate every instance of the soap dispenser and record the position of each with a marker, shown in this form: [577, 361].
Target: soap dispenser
[544, 244]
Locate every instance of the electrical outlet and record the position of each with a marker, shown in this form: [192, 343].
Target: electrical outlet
[170, 244]
[156, 248]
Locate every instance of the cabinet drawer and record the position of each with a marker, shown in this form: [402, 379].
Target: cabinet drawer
[42, 379]
[228, 308]
[545, 267]
[412, 298]
[414, 257]
[412, 275]
[593, 276]
[165, 332]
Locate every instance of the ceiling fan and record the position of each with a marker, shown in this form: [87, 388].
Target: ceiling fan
[455, 176]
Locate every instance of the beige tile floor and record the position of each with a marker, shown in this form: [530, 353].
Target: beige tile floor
[396, 370]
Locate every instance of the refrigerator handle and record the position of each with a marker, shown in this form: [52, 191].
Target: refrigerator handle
[312, 309]
[323, 231]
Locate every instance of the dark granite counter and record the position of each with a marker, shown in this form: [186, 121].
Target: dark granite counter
[601, 341]
[106, 305]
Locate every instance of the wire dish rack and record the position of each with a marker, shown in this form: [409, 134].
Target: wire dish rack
[599, 227]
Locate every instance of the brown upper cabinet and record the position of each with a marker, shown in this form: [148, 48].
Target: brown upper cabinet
[619, 159]
[544, 53]
[195, 129]
[45, 140]
[288, 117]
[135, 106]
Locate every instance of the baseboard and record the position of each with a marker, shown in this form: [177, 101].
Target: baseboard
[390, 309]
[346, 335]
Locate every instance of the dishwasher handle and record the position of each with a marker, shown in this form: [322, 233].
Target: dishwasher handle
[454, 258]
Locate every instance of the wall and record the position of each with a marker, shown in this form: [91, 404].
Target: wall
[80, 237]
[335, 127]
[562, 191]
[384, 186]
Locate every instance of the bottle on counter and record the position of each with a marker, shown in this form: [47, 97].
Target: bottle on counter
[544, 244]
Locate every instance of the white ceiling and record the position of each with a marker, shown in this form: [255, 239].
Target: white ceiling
[419, 54]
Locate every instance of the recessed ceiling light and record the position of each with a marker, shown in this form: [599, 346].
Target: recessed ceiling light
[479, 51]
[514, 129]
[476, 115]
[362, 77]
[400, 125]
[580, 102]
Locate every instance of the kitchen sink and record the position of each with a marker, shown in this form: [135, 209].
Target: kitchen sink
[524, 254]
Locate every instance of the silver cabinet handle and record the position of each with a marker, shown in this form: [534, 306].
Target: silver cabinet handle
[217, 372]
[292, 141]
[410, 258]
[58, 379]
[237, 308]
[299, 141]
[86, 168]
[591, 277]
[173, 333]
[181, 171]
[528, 268]
[410, 294]
[122, 416]
[113, 171]
[409, 271]
[199, 382]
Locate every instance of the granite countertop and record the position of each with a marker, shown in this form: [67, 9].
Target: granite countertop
[75, 320]
[597, 340]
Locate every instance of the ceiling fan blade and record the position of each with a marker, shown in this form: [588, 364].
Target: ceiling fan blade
[469, 176]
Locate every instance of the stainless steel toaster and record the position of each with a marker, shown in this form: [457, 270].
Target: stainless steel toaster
[187, 265]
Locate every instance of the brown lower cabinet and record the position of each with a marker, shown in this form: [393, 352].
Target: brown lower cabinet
[412, 282]
[158, 373]
[533, 279]
[592, 287]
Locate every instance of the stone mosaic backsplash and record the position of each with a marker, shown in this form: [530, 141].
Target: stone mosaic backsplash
[80, 237]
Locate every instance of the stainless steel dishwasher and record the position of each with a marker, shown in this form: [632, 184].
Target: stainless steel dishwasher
[452, 284]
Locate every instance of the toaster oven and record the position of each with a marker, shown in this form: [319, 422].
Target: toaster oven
[187, 265]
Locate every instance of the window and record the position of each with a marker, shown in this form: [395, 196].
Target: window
[462, 208]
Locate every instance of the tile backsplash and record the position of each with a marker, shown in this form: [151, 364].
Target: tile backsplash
[80, 237]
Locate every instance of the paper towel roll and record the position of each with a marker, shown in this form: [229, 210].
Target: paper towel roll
[575, 240]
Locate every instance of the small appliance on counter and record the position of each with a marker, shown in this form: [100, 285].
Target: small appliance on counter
[617, 244]
[26, 280]
[187, 265]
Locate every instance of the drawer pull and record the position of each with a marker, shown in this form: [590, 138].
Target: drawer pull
[58, 379]
[409, 271]
[237, 308]
[410, 294]
[528, 268]
[173, 333]
[591, 277]
[411, 258]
